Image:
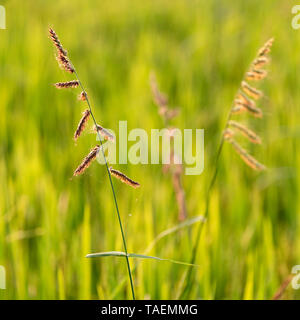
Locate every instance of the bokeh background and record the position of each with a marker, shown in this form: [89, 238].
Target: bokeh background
[199, 51]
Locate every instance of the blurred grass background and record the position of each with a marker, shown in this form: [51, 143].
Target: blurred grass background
[199, 51]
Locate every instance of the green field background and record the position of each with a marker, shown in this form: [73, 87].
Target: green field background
[199, 51]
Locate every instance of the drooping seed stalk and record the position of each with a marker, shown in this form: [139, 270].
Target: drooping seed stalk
[255, 73]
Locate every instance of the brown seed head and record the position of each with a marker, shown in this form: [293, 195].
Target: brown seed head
[82, 96]
[57, 43]
[87, 161]
[123, 178]
[82, 124]
[69, 84]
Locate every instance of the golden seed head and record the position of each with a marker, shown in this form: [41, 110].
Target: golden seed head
[250, 91]
[249, 134]
[266, 48]
[256, 112]
[256, 74]
[246, 157]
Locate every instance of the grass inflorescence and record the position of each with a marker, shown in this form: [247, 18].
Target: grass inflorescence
[242, 104]
[66, 64]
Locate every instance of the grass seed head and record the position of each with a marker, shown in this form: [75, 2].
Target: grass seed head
[123, 178]
[256, 112]
[87, 161]
[57, 43]
[68, 84]
[82, 96]
[250, 91]
[82, 124]
[249, 134]
[246, 157]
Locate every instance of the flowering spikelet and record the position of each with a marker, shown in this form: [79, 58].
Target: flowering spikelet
[122, 177]
[248, 159]
[65, 63]
[57, 43]
[107, 135]
[87, 161]
[252, 136]
[69, 84]
[250, 91]
[256, 112]
[243, 102]
[228, 133]
[82, 96]
[237, 109]
[242, 97]
[266, 48]
[260, 62]
[82, 123]
[61, 52]
[256, 74]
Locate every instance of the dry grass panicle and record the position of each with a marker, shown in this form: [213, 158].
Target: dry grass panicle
[244, 103]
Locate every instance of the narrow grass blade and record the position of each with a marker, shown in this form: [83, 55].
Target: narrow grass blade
[142, 256]
[174, 229]
[106, 254]
[135, 255]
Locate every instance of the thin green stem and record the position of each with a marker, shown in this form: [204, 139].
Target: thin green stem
[112, 188]
[188, 275]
